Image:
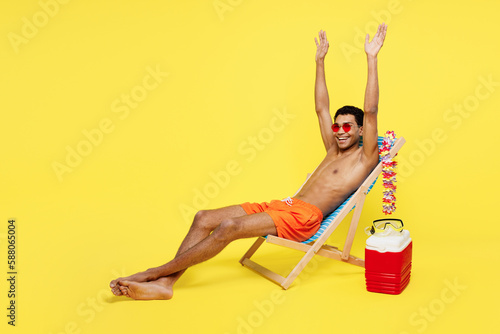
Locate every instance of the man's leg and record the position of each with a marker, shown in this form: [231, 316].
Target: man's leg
[203, 224]
[160, 278]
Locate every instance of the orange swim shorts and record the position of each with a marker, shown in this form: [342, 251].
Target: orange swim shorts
[294, 219]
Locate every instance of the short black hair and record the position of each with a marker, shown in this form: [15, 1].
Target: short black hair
[350, 110]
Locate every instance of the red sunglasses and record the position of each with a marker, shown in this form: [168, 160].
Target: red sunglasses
[345, 126]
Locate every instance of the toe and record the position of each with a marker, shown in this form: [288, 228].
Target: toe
[116, 292]
[124, 290]
[114, 282]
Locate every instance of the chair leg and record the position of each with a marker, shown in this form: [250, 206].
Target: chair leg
[252, 249]
[352, 229]
[298, 268]
[246, 262]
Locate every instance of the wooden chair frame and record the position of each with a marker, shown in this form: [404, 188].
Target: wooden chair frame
[319, 246]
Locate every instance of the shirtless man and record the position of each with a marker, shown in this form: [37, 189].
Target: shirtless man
[344, 168]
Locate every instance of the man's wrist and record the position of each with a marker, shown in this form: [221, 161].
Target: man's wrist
[320, 61]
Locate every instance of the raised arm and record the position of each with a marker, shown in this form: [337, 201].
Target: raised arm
[370, 134]
[321, 99]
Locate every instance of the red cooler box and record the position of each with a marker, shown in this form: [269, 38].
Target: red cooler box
[388, 262]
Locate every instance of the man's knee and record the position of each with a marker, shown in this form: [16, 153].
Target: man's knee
[227, 231]
[201, 220]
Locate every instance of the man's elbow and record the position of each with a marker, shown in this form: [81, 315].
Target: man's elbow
[322, 111]
[370, 110]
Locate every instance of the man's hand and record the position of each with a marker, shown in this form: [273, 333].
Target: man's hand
[321, 49]
[372, 48]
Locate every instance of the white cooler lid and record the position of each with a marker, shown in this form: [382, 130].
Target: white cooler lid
[394, 242]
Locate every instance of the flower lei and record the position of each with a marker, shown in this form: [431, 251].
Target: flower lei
[388, 174]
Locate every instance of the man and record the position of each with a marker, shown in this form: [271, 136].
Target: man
[344, 168]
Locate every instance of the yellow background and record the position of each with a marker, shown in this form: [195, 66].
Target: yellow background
[232, 65]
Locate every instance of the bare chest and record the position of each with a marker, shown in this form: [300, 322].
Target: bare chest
[340, 167]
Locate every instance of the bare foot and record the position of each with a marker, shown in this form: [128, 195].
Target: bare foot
[115, 284]
[159, 289]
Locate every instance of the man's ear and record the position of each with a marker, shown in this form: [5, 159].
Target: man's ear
[361, 130]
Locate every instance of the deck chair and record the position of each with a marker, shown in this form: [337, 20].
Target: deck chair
[317, 243]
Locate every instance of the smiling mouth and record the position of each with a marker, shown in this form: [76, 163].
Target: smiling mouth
[342, 139]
